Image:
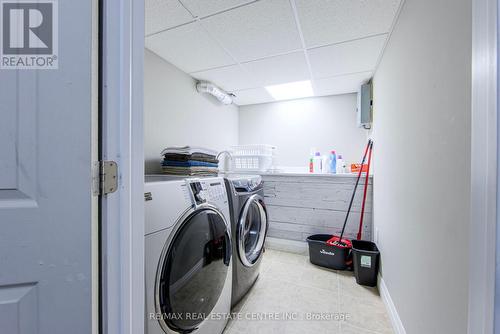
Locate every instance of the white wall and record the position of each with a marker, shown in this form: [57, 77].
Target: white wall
[175, 114]
[422, 131]
[296, 126]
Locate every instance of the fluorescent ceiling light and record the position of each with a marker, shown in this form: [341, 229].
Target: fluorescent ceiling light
[291, 90]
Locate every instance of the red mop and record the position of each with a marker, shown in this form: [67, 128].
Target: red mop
[339, 241]
[367, 179]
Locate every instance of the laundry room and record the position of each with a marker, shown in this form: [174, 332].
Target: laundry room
[249, 167]
[267, 125]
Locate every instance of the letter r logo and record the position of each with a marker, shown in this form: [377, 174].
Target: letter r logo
[27, 27]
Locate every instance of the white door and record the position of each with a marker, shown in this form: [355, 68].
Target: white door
[47, 127]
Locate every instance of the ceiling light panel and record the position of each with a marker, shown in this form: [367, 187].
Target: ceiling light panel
[350, 57]
[189, 48]
[291, 90]
[252, 96]
[256, 30]
[332, 21]
[164, 14]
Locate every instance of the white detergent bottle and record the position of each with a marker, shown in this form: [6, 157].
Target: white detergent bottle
[325, 164]
[340, 165]
[344, 167]
[317, 163]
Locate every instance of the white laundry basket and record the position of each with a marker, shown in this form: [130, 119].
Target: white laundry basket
[252, 158]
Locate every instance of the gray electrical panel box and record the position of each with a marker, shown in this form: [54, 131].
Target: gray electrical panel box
[364, 109]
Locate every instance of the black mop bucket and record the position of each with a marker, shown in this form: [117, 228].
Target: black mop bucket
[323, 252]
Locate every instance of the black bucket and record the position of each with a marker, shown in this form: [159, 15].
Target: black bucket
[325, 255]
[366, 258]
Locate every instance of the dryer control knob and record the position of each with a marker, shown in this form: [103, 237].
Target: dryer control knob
[201, 196]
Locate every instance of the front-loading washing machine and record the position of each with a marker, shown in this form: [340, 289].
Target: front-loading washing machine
[249, 228]
[188, 269]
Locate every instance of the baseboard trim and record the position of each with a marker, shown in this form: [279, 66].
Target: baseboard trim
[391, 308]
[292, 246]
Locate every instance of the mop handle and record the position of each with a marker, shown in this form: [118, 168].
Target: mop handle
[364, 194]
[354, 192]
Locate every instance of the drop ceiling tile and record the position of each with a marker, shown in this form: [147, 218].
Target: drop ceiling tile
[189, 48]
[229, 78]
[252, 96]
[332, 21]
[257, 30]
[343, 84]
[279, 69]
[350, 57]
[164, 14]
[208, 7]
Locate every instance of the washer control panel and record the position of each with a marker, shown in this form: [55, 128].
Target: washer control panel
[210, 190]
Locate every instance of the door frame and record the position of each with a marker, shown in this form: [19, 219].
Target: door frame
[122, 212]
[484, 147]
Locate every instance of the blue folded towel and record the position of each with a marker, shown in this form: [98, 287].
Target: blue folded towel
[188, 163]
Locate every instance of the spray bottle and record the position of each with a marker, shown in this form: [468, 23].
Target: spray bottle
[333, 162]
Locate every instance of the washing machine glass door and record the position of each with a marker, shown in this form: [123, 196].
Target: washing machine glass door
[252, 229]
[193, 270]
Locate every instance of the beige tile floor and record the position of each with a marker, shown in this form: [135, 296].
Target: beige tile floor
[290, 290]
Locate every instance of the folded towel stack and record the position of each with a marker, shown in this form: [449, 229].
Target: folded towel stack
[189, 160]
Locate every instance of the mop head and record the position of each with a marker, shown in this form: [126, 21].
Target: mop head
[335, 241]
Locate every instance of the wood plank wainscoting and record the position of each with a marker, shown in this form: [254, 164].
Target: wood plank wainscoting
[303, 204]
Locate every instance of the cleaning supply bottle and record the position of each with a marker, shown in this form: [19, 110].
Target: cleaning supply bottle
[325, 164]
[344, 167]
[312, 152]
[317, 163]
[340, 165]
[333, 162]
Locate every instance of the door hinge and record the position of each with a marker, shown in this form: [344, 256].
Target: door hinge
[105, 180]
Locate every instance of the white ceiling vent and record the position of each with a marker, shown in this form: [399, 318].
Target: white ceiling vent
[210, 88]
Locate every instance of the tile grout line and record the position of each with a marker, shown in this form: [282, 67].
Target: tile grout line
[237, 62]
[240, 64]
[246, 298]
[303, 265]
[303, 43]
[337, 277]
[300, 285]
[197, 18]
[319, 46]
[220, 11]
[389, 34]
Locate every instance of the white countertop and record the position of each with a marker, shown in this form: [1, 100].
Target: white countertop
[284, 173]
[310, 174]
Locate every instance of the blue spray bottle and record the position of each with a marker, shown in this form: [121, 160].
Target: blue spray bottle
[333, 162]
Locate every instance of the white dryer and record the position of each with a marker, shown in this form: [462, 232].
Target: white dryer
[188, 267]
